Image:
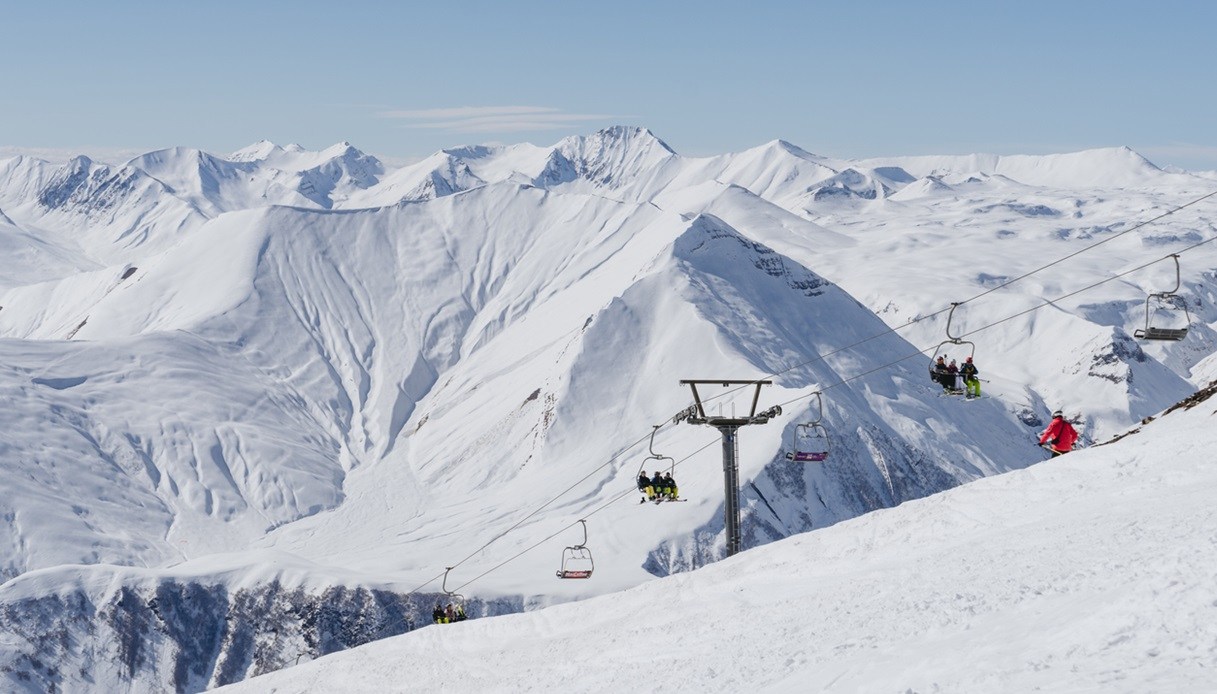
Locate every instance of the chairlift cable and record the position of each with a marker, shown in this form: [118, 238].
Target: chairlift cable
[522, 520]
[1096, 244]
[542, 507]
[628, 492]
[648, 436]
[1024, 312]
[1003, 285]
[821, 389]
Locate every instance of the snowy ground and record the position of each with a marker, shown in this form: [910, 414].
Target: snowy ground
[1092, 572]
[369, 374]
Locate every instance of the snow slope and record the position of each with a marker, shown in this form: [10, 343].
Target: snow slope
[1092, 572]
[374, 374]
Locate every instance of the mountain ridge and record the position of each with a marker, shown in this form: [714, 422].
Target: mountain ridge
[374, 381]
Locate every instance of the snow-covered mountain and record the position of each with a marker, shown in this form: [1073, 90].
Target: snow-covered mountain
[239, 384]
[1042, 579]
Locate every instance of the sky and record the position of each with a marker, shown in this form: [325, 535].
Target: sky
[404, 79]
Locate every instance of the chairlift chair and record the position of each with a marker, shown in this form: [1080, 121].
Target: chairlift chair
[663, 461]
[577, 559]
[1168, 301]
[951, 340]
[810, 444]
[452, 595]
[809, 440]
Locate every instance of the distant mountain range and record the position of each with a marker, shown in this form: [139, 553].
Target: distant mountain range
[244, 390]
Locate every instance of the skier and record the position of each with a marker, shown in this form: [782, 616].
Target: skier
[670, 486]
[939, 374]
[438, 614]
[970, 381]
[460, 613]
[1060, 435]
[955, 387]
[644, 486]
[657, 486]
[449, 614]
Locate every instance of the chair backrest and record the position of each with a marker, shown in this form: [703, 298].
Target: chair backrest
[810, 456]
[1152, 333]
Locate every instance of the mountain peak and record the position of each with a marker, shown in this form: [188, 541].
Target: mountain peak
[341, 149]
[79, 162]
[629, 136]
[471, 151]
[614, 154]
[256, 152]
[794, 149]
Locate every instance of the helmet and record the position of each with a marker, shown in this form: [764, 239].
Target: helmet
[1057, 414]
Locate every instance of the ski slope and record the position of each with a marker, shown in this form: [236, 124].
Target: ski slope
[1091, 572]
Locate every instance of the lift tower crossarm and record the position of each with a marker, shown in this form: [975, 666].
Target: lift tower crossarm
[696, 414]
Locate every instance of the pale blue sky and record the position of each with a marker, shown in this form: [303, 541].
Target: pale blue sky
[850, 79]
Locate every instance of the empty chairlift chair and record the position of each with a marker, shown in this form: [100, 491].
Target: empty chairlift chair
[1167, 302]
[577, 559]
[809, 440]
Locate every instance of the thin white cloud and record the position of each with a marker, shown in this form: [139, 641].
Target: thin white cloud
[491, 119]
[466, 112]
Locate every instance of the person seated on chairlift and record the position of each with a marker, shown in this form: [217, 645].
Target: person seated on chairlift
[940, 375]
[460, 613]
[954, 379]
[644, 485]
[657, 485]
[438, 614]
[669, 487]
[969, 374]
[665, 486]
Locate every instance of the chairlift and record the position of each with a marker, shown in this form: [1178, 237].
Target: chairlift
[951, 340]
[577, 559]
[809, 440]
[1167, 302]
[670, 463]
[455, 600]
[452, 595]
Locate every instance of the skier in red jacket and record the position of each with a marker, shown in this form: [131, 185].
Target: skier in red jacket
[1059, 435]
